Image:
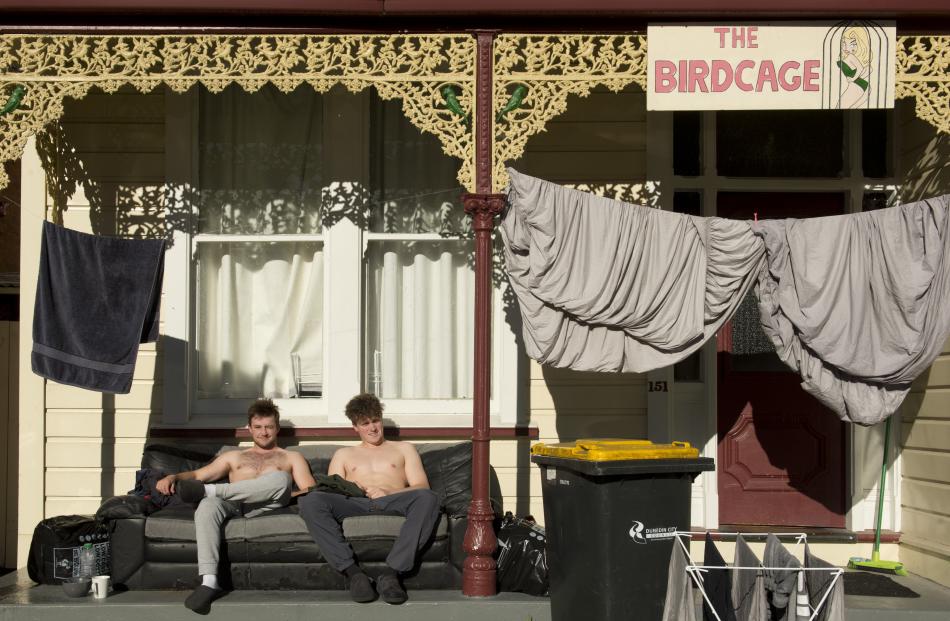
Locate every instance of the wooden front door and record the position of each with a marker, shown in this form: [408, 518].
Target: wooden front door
[781, 453]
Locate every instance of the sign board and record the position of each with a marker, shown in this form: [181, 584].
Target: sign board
[786, 66]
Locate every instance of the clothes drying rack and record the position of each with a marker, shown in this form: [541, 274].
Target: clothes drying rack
[696, 571]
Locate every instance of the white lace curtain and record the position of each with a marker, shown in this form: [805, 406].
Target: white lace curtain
[260, 319]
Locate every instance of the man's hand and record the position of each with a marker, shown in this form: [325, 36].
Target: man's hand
[373, 492]
[166, 485]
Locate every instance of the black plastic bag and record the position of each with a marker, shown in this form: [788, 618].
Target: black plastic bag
[54, 550]
[522, 556]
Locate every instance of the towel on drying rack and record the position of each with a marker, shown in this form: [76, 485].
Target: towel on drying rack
[748, 587]
[97, 299]
[718, 585]
[818, 582]
[680, 604]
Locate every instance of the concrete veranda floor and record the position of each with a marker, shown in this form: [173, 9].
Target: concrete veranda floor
[21, 600]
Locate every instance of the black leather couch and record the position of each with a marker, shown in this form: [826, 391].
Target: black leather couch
[157, 550]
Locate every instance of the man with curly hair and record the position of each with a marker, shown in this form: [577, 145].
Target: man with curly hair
[391, 475]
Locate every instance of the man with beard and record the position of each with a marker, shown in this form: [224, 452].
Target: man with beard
[260, 480]
[391, 475]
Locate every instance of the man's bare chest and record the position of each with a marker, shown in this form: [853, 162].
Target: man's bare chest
[386, 463]
[251, 463]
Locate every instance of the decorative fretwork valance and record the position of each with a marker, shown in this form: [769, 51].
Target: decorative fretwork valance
[923, 72]
[433, 75]
[535, 74]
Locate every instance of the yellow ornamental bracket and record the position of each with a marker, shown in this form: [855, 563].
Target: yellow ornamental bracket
[923, 72]
[534, 75]
[413, 68]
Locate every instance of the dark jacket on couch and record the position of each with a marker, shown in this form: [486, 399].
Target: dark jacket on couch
[157, 550]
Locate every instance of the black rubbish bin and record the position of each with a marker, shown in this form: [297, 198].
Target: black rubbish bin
[611, 508]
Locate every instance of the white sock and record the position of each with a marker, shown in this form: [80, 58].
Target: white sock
[210, 491]
[210, 580]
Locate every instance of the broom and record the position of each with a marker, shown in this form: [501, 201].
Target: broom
[875, 563]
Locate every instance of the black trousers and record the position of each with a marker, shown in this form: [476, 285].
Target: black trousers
[324, 513]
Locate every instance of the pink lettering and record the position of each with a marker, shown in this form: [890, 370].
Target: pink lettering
[740, 81]
[752, 34]
[698, 72]
[664, 76]
[683, 73]
[721, 78]
[766, 74]
[811, 74]
[783, 73]
[722, 31]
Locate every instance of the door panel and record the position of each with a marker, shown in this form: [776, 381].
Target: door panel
[781, 453]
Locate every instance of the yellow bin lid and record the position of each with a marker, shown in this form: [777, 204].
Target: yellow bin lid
[615, 449]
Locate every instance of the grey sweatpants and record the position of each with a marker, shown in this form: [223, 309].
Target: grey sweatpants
[324, 513]
[248, 498]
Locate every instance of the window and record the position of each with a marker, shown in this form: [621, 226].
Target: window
[328, 255]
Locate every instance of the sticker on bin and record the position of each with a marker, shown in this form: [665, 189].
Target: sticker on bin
[611, 449]
[640, 533]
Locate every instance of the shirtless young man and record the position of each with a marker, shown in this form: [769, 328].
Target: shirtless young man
[260, 480]
[392, 476]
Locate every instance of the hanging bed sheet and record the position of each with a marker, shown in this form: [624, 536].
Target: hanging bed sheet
[856, 304]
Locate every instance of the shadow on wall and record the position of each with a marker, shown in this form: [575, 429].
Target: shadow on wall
[595, 405]
[925, 169]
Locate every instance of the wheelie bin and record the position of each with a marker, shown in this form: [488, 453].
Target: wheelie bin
[611, 511]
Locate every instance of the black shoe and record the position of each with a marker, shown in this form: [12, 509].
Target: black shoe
[361, 589]
[390, 589]
[190, 491]
[201, 598]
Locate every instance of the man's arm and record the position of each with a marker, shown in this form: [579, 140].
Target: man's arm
[415, 473]
[217, 469]
[300, 471]
[337, 463]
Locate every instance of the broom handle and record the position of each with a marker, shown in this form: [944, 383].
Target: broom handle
[880, 492]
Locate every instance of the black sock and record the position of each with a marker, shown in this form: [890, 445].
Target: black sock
[352, 570]
[389, 571]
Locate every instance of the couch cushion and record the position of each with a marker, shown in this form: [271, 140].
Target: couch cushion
[317, 455]
[284, 525]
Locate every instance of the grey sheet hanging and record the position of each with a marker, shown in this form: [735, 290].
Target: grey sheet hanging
[857, 304]
[608, 286]
[853, 303]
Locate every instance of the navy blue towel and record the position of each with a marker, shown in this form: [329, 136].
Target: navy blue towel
[97, 298]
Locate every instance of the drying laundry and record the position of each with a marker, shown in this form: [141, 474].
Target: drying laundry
[825, 589]
[679, 604]
[748, 587]
[718, 585]
[857, 303]
[852, 303]
[97, 299]
[608, 286]
[781, 585]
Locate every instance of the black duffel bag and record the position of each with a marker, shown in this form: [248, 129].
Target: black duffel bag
[56, 544]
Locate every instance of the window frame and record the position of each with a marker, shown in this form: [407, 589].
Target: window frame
[344, 247]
